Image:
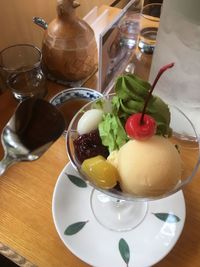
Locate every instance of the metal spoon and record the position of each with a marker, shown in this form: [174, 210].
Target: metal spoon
[32, 129]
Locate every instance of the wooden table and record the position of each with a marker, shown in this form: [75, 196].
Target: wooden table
[27, 232]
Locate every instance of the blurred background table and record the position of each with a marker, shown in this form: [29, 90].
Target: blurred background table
[27, 232]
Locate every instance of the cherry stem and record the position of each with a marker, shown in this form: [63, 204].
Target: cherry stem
[163, 69]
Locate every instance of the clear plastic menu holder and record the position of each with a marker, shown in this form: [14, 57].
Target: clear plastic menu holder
[117, 45]
[100, 24]
[91, 16]
[99, 18]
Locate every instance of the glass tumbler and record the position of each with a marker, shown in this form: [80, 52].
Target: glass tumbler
[20, 71]
[150, 19]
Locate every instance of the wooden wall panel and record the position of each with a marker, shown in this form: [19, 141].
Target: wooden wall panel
[16, 24]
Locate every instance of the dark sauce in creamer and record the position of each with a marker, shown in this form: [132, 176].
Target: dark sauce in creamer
[71, 107]
[35, 124]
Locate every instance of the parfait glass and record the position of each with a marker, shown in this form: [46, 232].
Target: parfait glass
[119, 211]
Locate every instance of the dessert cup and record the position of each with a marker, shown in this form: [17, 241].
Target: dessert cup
[119, 211]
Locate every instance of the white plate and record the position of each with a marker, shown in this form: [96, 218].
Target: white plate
[147, 244]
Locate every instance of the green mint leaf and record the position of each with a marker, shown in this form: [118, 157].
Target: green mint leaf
[131, 106]
[137, 86]
[131, 92]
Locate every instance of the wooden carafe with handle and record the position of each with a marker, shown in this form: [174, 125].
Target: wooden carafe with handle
[69, 47]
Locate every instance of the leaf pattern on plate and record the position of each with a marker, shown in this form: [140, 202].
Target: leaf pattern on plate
[76, 180]
[74, 228]
[124, 250]
[167, 217]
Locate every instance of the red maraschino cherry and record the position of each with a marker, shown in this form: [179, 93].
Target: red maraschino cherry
[140, 131]
[141, 126]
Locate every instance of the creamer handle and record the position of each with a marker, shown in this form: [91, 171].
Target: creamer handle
[40, 22]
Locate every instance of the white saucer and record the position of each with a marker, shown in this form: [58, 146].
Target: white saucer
[144, 246]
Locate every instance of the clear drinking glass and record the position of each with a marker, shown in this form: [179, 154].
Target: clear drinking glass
[150, 19]
[119, 211]
[129, 30]
[20, 71]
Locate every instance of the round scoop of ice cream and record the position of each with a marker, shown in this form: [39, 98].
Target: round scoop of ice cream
[113, 158]
[149, 168]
